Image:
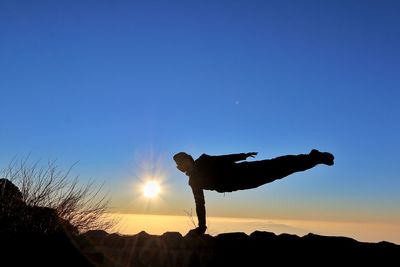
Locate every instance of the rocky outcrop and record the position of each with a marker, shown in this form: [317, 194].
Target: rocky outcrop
[18, 217]
[33, 235]
[233, 249]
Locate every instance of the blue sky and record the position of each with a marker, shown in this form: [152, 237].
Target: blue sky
[113, 84]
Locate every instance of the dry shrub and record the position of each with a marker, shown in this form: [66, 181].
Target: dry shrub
[85, 206]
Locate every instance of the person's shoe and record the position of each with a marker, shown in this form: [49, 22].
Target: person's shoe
[322, 157]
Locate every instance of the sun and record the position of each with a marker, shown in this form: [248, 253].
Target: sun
[151, 189]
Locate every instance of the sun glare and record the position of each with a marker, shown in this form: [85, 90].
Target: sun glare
[151, 189]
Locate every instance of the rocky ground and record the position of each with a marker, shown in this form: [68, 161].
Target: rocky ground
[37, 236]
[233, 249]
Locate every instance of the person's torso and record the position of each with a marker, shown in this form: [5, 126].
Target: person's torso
[213, 173]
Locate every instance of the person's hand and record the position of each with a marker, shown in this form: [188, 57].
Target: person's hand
[197, 231]
[251, 154]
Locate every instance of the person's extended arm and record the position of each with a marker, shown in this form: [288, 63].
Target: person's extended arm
[237, 157]
[200, 210]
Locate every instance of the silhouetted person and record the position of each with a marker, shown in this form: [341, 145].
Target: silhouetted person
[225, 174]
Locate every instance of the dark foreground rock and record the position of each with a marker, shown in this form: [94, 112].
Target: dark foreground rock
[37, 236]
[233, 249]
[27, 249]
[34, 235]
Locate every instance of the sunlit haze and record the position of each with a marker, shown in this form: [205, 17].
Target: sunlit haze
[159, 224]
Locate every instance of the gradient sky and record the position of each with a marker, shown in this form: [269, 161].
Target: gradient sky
[121, 86]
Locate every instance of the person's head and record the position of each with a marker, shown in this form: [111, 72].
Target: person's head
[184, 162]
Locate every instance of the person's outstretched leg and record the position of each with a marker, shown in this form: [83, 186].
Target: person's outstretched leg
[283, 166]
[255, 173]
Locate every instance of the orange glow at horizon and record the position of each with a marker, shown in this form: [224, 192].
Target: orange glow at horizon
[159, 224]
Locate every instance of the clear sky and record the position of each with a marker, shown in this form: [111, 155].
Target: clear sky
[122, 86]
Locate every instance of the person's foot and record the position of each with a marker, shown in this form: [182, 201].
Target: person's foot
[197, 231]
[322, 157]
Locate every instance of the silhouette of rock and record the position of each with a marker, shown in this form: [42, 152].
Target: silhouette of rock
[236, 249]
[9, 193]
[172, 239]
[34, 236]
[96, 235]
[27, 241]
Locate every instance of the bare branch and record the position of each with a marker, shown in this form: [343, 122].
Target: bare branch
[190, 216]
